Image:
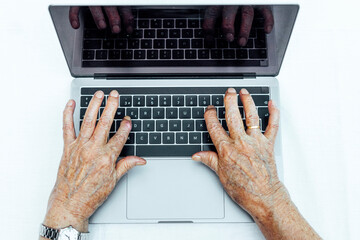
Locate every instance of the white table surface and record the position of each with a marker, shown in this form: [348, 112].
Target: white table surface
[319, 95]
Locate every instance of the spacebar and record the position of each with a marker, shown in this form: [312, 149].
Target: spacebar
[167, 150]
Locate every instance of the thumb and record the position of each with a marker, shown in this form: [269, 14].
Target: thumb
[126, 164]
[209, 158]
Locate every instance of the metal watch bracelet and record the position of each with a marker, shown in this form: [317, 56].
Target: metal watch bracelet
[57, 234]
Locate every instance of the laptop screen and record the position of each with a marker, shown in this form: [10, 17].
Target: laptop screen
[115, 41]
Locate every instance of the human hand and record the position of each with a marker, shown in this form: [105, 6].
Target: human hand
[112, 14]
[228, 21]
[244, 160]
[88, 169]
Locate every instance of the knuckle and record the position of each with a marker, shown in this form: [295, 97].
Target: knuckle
[252, 117]
[104, 122]
[121, 137]
[87, 123]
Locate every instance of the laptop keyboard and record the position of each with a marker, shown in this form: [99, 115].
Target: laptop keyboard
[169, 122]
[159, 40]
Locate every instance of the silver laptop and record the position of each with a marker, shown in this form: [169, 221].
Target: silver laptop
[167, 71]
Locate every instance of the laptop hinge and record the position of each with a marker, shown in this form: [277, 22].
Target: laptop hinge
[108, 76]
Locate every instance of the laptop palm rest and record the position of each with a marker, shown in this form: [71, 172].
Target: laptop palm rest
[174, 189]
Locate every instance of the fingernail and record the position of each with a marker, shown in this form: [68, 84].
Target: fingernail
[75, 24]
[230, 37]
[114, 93]
[116, 29]
[141, 162]
[196, 158]
[210, 107]
[69, 103]
[268, 28]
[127, 118]
[99, 94]
[244, 91]
[242, 41]
[102, 24]
[231, 90]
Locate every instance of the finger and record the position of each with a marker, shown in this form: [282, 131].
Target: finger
[208, 158]
[251, 114]
[232, 115]
[114, 18]
[98, 17]
[68, 123]
[126, 164]
[247, 17]
[269, 19]
[210, 17]
[274, 119]
[106, 119]
[74, 17]
[216, 131]
[88, 125]
[116, 143]
[128, 19]
[228, 15]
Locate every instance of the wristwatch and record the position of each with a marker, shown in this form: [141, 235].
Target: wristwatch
[68, 233]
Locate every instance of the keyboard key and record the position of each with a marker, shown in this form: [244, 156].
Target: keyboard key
[171, 43]
[142, 138]
[204, 101]
[184, 43]
[216, 54]
[101, 54]
[134, 43]
[148, 125]
[175, 125]
[165, 100]
[209, 147]
[120, 113]
[132, 112]
[194, 137]
[158, 113]
[203, 53]
[126, 54]
[152, 101]
[171, 113]
[82, 113]
[139, 54]
[193, 23]
[125, 101]
[127, 151]
[222, 43]
[121, 44]
[264, 123]
[149, 33]
[85, 100]
[178, 54]
[209, 43]
[143, 24]
[174, 33]
[241, 110]
[159, 43]
[131, 138]
[221, 112]
[161, 125]
[146, 43]
[200, 125]
[162, 33]
[229, 53]
[241, 54]
[88, 54]
[139, 101]
[136, 125]
[92, 44]
[114, 54]
[196, 43]
[181, 138]
[181, 23]
[199, 33]
[178, 100]
[108, 44]
[145, 113]
[198, 113]
[217, 100]
[260, 100]
[185, 112]
[187, 33]
[156, 23]
[167, 150]
[224, 125]
[188, 125]
[191, 100]
[168, 23]
[206, 138]
[152, 54]
[263, 112]
[190, 54]
[258, 53]
[155, 138]
[165, 54]
[168, 138]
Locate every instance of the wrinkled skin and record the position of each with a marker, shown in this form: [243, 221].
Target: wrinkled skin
[88, 170]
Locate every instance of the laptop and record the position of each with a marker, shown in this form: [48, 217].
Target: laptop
[167, 71]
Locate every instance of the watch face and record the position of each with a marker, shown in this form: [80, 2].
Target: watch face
[68, 233]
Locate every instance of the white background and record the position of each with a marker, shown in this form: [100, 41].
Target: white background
[319, 91]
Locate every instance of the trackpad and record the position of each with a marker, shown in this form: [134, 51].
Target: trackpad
[173, 189]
